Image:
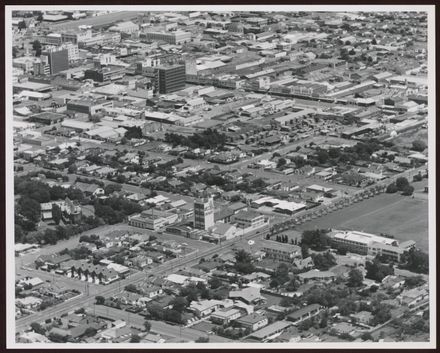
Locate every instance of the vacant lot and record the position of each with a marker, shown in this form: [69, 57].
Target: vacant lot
[404, 217]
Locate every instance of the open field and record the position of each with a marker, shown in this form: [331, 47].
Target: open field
[404, 217]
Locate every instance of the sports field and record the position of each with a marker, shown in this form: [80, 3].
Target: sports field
[403, 217]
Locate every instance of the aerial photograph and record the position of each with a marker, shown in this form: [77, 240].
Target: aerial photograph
[246, 177]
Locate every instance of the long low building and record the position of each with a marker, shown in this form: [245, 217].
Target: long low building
[370, 244]
[152, 220]
[271, 330]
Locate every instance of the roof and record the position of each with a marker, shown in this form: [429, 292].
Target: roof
[305, 310]
[274, 245]
[251, 318]
[271, 329]
[316, 274]
[249, 294]
[247, 215]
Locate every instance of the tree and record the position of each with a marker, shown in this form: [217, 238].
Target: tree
[22, 25]
[40, 17]
[281, 274]
[392, 189]
[377, 271]
[322, 156]
[402, 183]
[215, 282]
[408, 190]
[179, 304]
[281, 162]
[99, 300]
[135, 338]
[316, 239]
[324, 261]
[37, 328]
[355, 278]
[244, 262]
[418, 145]
[415, 260]
[36, 45]
[147, 325]
[304, 251]
[90, 332]
[202, 339]
[56, 213]
[374, 41]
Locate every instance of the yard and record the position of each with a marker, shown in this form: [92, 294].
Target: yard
[403, 217]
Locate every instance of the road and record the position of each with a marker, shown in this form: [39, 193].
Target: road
[184, 333]
[87, 300]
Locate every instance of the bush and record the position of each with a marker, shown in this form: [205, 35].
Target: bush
[392, 189]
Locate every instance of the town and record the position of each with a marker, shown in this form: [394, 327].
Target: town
[214, 177]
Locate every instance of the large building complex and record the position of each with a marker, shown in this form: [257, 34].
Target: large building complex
[177, 37]
[370, 244]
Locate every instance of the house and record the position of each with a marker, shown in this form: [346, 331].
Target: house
[252, 321]
[248, 219]
[362, 317]
[414, 296]
[224, 317]
[316, 275]
[28, 302]
[343, 328]
[53, 261]
[304, 313]
[303, 263]
[392, 281]
[32, 337]
[205, 307]
[248, 295]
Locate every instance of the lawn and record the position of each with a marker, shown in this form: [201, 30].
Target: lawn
[404, 217]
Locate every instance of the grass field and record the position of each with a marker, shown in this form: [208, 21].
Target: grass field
[404, 217]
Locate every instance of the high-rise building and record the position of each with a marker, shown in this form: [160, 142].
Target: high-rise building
[170, 78]
[204, 213]
[57, 59]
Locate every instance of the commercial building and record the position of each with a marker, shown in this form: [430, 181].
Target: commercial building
[170, 78]
[177, 37]
[153, 220]
[87, 106]
[57, 58]
[281, 251]
[271, 330]
[204, 213]
[248, 219]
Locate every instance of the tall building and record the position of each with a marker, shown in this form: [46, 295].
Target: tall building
[170, 78]
[204, 213]
[57, 59]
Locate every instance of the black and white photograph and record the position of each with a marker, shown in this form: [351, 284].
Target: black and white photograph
[220, 176]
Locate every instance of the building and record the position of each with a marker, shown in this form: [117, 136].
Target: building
[281, 251]
[270, 331]
[304, 313]
[248, 219]
[204, 213]
[369, 244]
[252, 321]
[57, 58]
[126, 27]
[170, 78]
[105, 74]
[153, 220]
[88, 106]
[224, 317]
[177, 37]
